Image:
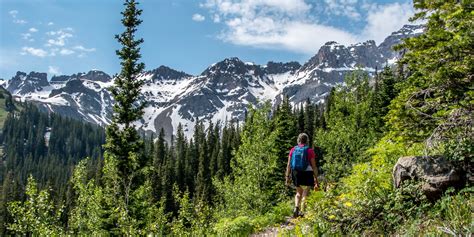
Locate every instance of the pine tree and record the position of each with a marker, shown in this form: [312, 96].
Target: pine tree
[309, 120]
[435, 104]
[124, 163]
[301, 122]
[252, 190]
[158, 159]
[180, 158]
[190, 168]
[284, 123]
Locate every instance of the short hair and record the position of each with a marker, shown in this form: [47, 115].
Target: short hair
[303, 138]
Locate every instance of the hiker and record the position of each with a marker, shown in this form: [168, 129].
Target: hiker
[302, 171]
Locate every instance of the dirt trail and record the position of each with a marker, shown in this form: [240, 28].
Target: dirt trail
[289, 224]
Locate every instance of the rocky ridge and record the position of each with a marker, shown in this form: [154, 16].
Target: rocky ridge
[220, 93]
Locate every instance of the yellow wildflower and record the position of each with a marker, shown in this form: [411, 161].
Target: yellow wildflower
[332, 217]
[348, 204]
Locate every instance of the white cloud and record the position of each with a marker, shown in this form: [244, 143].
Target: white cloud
[19, 21]
[273, 24]
[84, 49]
[294, 36]
[34, 51]
[54, 70]
[13, 13]
[32, 29]
[292, 24]
[26, 36]
[50, 23]
[248, 7]
[198, 17]
[385, 19]
[346, 8]
[61, 37]
[66, 52]
[216, 18]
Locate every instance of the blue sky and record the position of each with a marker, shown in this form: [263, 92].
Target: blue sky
[70, 36]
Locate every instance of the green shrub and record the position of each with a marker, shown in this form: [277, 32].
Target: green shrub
[239, 226]
[451, 215]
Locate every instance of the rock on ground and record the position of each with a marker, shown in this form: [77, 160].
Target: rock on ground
[435, 172]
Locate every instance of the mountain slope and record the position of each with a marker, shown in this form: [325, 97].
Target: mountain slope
[221, 92]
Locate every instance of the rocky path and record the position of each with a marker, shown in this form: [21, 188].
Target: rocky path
[289, 224]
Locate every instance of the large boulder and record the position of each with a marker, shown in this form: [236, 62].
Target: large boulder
[434, 172]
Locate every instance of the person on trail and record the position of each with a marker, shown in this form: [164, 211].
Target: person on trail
[302, 171]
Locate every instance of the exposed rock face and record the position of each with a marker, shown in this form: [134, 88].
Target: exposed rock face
[166, 73]
[279, 68]
[221, 92]
[23, 84]
[435, 172]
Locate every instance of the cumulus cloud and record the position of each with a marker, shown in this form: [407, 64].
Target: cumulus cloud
[198, 17]
[56, 44]
[273, 24]
[14, 14]
[346, 8]
[59, 37]
[293, 25]
[54, 70]
[84, 49]
[385, 19]
[26, 36]
[34, 52]
[66, 52]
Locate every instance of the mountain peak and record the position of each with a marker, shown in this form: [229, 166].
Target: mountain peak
[396, 37]
[96, 75]
[231, 65]
[22, 83]
[329, 43]
[167, 73]
[410, 30]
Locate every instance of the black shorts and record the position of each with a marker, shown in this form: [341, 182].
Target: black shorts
[302, 178]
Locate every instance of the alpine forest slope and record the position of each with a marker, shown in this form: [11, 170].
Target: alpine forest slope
[221, 92]
[201, 177]
[7, 105]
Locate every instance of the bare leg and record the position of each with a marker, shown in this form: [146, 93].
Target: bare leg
[305, 194]
[299, 195]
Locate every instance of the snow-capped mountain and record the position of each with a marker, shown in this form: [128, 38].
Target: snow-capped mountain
[221, 92]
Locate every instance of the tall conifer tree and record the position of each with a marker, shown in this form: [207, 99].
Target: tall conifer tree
[123, 157]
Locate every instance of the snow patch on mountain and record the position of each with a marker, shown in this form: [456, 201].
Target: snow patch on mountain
[221, 92]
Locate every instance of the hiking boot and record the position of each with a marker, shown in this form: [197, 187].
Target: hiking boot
[296, 212]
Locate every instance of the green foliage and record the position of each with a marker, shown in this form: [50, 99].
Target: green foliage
[37, 215]
[364, 201]
[451, 215]
[225, 181]
[252, 191]
[7, 105]
[28, 151]
[245, 225]
[350, 129]
[239, 226]
[87, 215]
[127, 200]
[436, 100]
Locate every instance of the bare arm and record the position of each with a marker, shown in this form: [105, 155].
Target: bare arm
[287, 174]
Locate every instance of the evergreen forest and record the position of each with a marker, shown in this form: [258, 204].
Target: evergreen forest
[65, 177]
